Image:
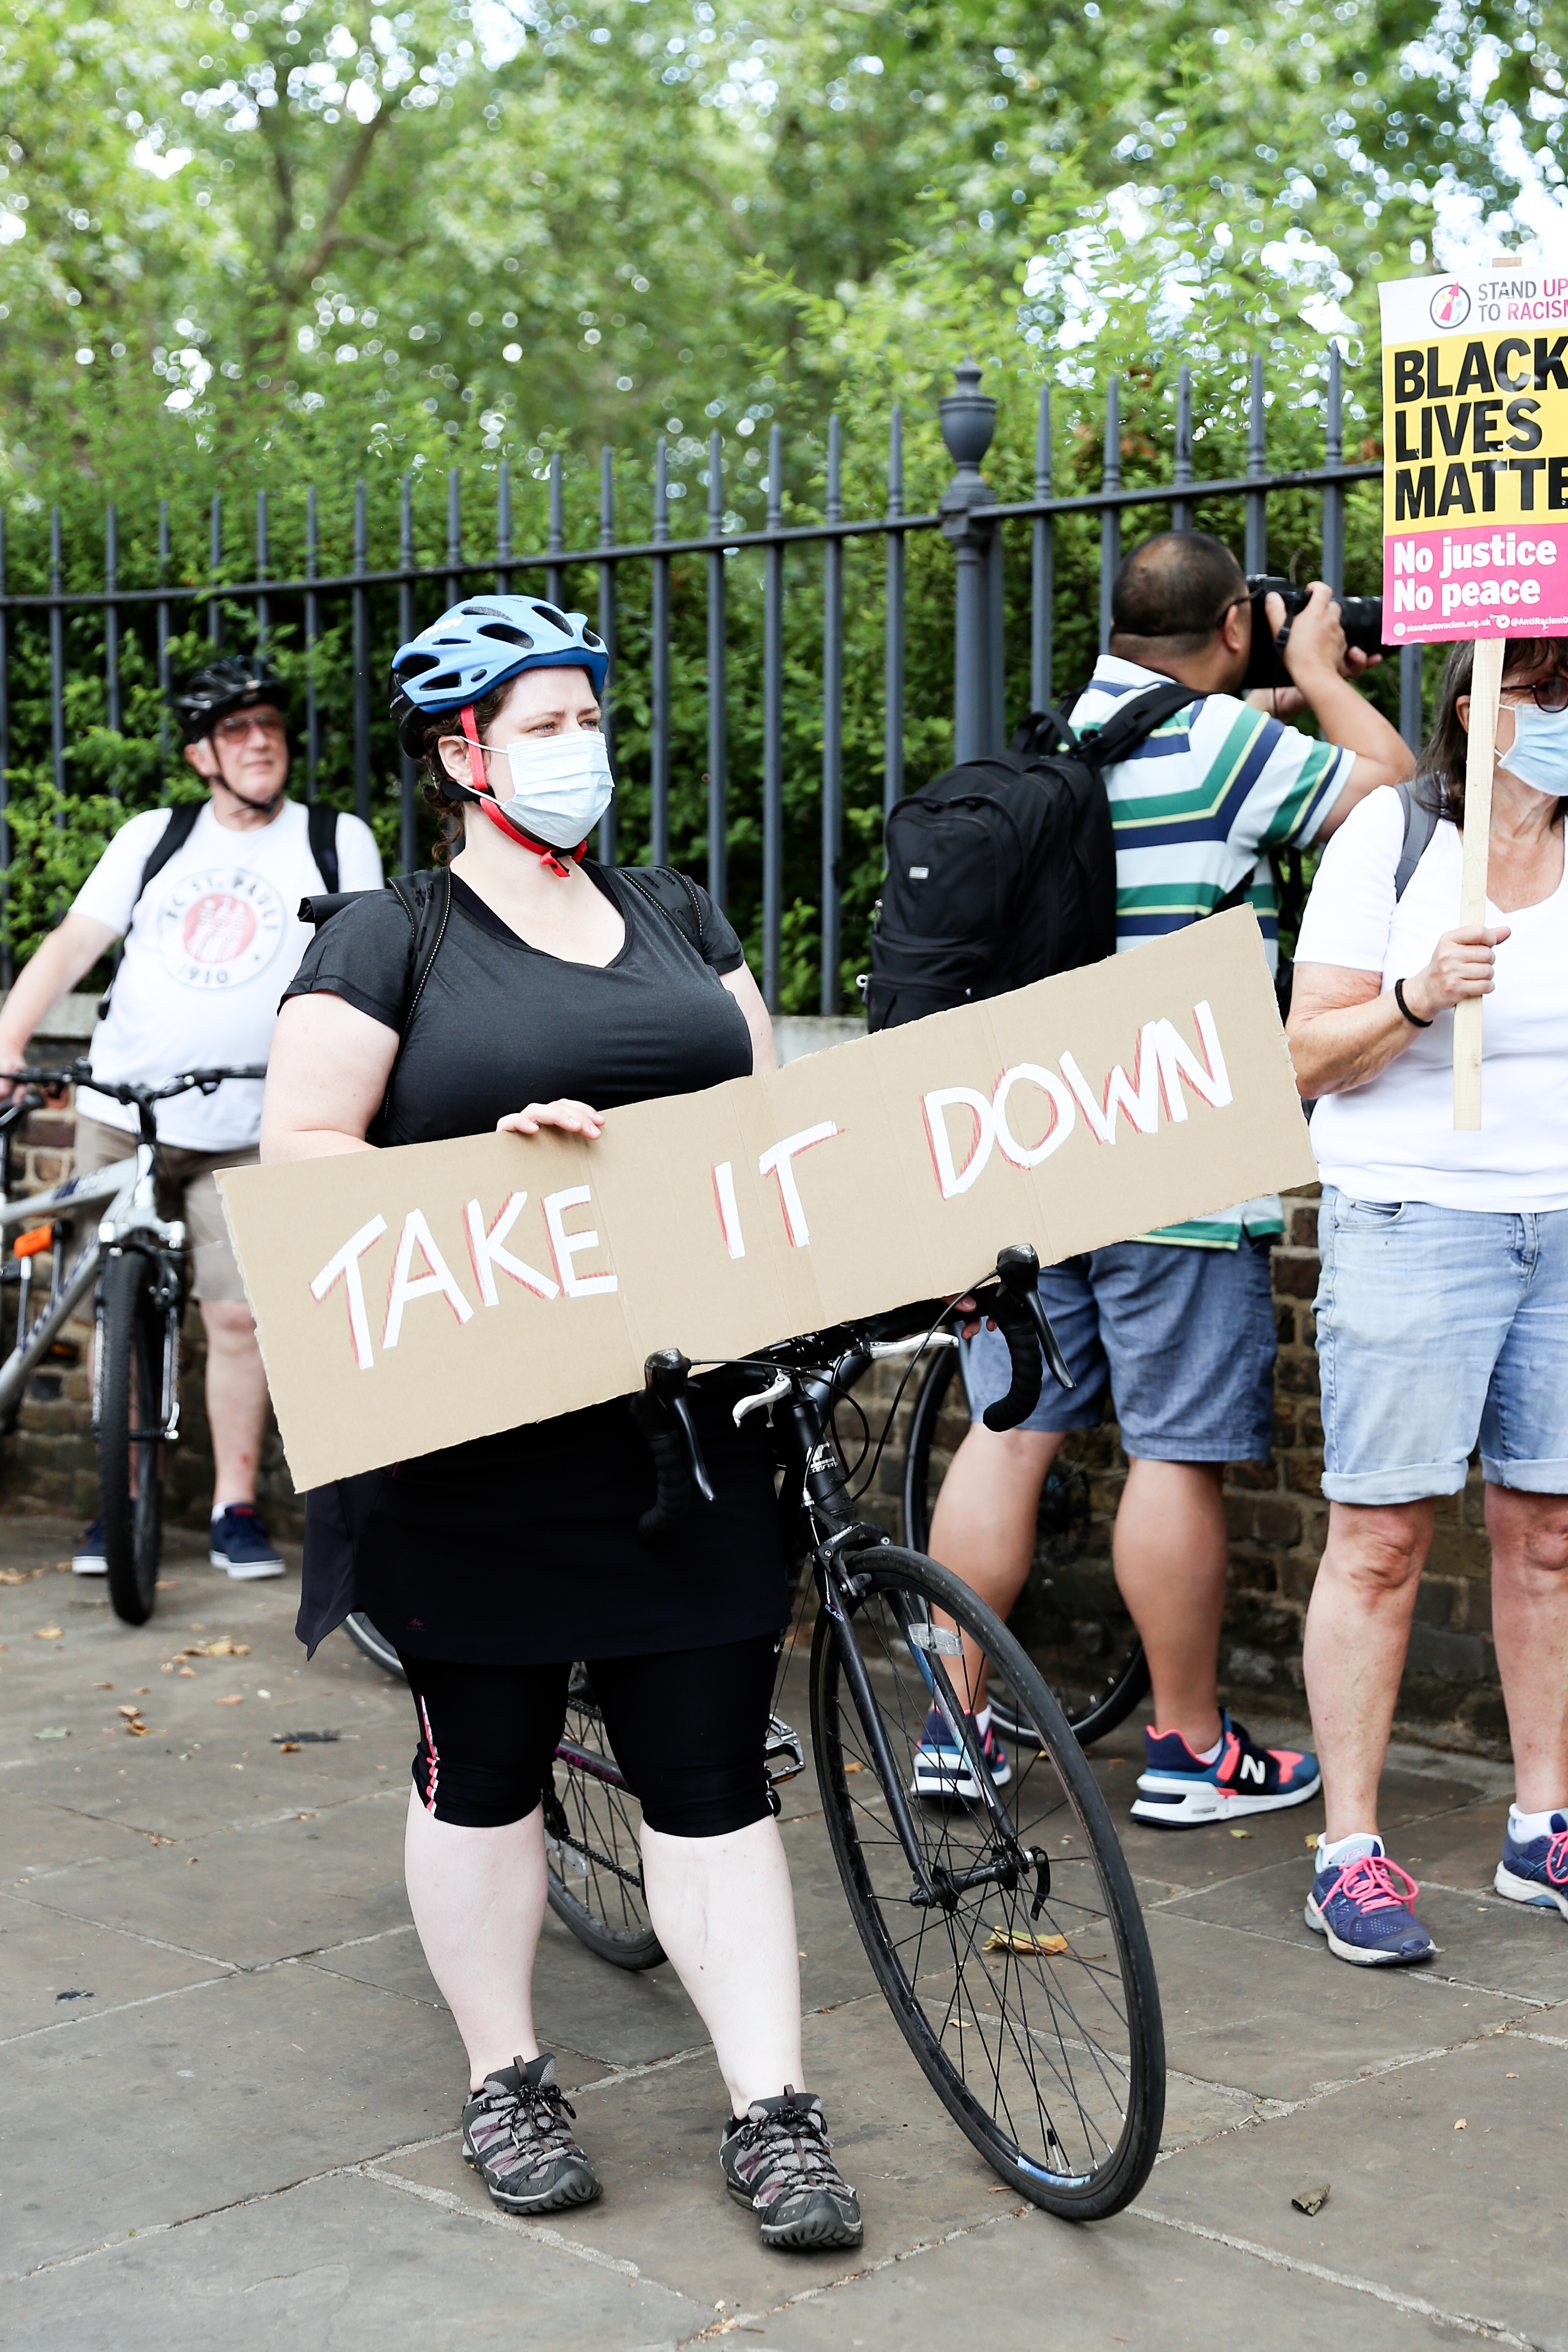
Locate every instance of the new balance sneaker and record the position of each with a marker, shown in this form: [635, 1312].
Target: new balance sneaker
[88, 1559]
[1362, 1907]
[778, 2160]
[941, 1768]
[1537, 1871]
[240, 1544]
[516, 2138]
[1177, 1790]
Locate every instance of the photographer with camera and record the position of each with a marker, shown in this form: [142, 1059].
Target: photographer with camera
[1180, 1322]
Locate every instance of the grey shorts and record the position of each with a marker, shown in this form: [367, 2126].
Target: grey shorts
[1184, 1337]
[186, 1189]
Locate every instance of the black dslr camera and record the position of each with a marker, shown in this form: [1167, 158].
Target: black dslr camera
[1360, 617]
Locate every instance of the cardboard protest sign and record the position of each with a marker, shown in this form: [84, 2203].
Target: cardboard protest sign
[1474, 390]
[409, 1300]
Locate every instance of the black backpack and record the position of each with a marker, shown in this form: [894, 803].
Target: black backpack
[1003, 870]
[321, 824]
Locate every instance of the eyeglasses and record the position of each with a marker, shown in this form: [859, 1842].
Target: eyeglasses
[1548, 693]
[242, 723]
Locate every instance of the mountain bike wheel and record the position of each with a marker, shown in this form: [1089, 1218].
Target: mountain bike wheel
[129, 1437]
[1024, 1985]
[591, 1825]
[1069, 1616]
[374, 1644]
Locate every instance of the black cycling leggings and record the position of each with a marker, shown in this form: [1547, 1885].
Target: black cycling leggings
[687, 1727]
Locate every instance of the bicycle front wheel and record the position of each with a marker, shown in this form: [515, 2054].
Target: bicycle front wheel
[1069, 1616]
[592, 1822]
[131, 1434]
[1002, 1924]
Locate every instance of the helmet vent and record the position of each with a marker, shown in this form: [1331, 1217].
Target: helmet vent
[556, 620]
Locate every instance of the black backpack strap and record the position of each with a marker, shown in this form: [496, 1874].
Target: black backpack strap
[669, 889]
[1135, 721]
[170, 841]
[1420, 825]
[321, 822]
[427, 900]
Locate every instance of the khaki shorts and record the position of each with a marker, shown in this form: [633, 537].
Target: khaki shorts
[186, 1189]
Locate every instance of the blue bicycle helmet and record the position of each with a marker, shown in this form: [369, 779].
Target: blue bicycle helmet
[478, 645]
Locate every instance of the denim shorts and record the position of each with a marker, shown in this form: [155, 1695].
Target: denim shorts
[1184, 1337]
[1438, 1326]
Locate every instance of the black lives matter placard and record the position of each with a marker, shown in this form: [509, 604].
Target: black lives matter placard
[1475, 386]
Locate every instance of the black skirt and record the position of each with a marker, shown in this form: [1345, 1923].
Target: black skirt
[522, 1549]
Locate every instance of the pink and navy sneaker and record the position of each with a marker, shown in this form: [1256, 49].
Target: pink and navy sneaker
[1177, 1790]
[1537, 1871]
[943, 1770]
[1362, 1908]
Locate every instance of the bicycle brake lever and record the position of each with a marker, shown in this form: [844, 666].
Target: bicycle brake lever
[668, 1374]
[1018, 1271]
[760, 1400]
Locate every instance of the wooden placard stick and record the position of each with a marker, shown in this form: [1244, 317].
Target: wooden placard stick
[1486, 683]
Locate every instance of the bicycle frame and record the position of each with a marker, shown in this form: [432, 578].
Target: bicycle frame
[125, 1197]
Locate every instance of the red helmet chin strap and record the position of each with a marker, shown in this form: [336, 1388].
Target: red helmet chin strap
[487, 800]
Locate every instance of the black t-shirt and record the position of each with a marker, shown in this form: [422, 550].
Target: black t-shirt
[523, 1546]
[499, 1024]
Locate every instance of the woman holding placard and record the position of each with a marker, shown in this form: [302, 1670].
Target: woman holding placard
[1442, 1309]
[568, 989]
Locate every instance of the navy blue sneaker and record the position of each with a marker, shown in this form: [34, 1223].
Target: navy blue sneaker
[88, 1559]
[1176, 1791]
[1365, 1915]
[1536, 1872]
[941, 1768]
[240, 1544]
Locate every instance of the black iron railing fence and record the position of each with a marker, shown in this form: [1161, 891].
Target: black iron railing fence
[969, 517]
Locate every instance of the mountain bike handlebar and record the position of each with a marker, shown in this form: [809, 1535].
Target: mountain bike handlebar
[38, 1083]
[662, 1410]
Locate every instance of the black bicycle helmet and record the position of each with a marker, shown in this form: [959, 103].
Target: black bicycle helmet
[230, 683]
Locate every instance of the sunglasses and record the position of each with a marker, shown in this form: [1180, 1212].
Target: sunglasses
[1548, 693]
[238, 728]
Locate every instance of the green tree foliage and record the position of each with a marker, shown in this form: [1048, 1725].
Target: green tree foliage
[246, 250]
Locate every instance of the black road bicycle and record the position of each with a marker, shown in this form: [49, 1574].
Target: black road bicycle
[999, 1919]
[133, 1261]
[1069, 1616]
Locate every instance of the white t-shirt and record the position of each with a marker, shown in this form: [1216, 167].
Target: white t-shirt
[214, 942]
[1394, 1138]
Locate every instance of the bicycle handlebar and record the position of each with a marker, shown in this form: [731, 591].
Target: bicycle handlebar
[1018, 1313]
[79, 1073]
[662, 1411]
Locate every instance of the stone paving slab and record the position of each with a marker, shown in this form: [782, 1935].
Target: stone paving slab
[52, 1966]
[1470, 2220]
[1041, 2281]
[336, 2265]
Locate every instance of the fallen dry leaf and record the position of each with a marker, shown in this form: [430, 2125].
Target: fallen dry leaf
[138, 1730]
[52, 1731]
[49, 1633]
[288, 1747]
[13, 1576]
[189, 1672]
[223, 1648]
[852, 1766]
[1511, 2078]
[1310, 2201]
[1014, 1939]
[235, 1698]
[103, 1686]
[1461, 2125]
[129, 1711]
[1241, 1833]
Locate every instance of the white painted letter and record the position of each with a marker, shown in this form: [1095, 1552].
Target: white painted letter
[438, 1282]
[728, 1208]
[1063, 1116]
[1139, 1096]
[952, 1180]
[776, 1162]
[485, 1252]
[1177, 1061]
[346, 1263]
[565, 1246]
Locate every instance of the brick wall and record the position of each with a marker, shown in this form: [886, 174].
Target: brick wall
[1277, 1514]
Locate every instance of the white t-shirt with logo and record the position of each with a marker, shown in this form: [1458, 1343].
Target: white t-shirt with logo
[214, 942]
[1395, 1139]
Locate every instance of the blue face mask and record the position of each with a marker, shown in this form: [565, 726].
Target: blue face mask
[1539, 753]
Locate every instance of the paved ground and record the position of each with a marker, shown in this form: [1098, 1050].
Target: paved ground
[229, 2090]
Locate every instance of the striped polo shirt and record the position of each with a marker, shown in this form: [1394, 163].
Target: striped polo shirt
[1196, 809]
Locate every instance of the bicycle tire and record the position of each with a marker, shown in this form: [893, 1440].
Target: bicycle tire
[591, 1824]
[1093, 1705]
[1050, 2061]
[130, 1465]
[372, 1643]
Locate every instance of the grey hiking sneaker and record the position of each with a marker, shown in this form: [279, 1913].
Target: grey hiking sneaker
[779, 2161]
[515, 2137]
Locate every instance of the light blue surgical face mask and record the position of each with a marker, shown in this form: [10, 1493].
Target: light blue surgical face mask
[1539, 753]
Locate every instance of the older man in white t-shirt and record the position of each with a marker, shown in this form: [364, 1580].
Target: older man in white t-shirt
[206, 898]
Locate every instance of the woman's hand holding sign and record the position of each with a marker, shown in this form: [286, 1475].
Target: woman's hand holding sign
[571, 1117]
[1464, 964]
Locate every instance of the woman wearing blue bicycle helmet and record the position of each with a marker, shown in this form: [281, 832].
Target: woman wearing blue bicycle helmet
[560, 990]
